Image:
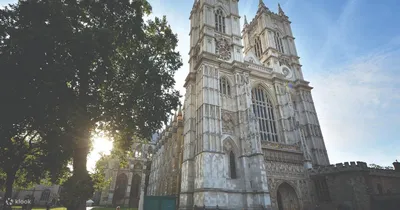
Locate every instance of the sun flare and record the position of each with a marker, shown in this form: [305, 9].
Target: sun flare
[101, 143]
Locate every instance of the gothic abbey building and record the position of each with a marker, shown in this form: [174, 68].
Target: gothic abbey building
[250, 130]
[248, 136]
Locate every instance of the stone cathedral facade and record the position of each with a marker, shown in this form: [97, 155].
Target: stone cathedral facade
[250, 130]
[248, 136]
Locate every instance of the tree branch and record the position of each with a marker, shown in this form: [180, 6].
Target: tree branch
[30, 141]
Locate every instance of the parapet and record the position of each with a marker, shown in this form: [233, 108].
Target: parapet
[339, 167]
[352, 167]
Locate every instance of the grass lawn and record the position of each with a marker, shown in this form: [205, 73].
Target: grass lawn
[39, 208]
[100, 208]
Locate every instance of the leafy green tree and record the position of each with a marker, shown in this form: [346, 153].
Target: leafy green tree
[98, 176]
[34, 142]
[94, 62]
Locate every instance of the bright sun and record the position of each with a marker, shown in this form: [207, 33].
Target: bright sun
[101, 144]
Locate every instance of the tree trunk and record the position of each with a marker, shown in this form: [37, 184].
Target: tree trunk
[80, 161]
[9, 185]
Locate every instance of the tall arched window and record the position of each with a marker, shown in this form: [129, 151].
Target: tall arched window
[219, 21]
[224, 86]
[264, 111]
[258, 47]
[232, 165]
[278, 42]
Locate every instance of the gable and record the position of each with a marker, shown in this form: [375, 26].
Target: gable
[250, 57]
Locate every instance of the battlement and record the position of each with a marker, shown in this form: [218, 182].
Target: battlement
[352, 167]
[339, 167]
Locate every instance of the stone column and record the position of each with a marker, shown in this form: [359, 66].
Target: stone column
[142, 186]
[189, 133]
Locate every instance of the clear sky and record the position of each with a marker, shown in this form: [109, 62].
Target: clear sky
[350, 52]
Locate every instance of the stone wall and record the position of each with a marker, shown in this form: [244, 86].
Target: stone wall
[165, 172]
[38, 193]
[355, 183]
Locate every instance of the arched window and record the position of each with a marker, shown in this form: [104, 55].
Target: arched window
[232, 165]
[224, 86]
[138, 151]
[278, 42]
[258, 47]
[45, 195]
[264, 111]
[219, 21]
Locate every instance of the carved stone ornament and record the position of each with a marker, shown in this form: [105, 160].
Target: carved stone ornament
[283, 60]
[228, 124]
[223, 48]
[274, 145]
[285, 72]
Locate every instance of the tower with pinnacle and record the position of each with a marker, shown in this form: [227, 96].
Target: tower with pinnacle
[250, 125]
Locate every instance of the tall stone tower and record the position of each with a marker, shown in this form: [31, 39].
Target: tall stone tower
[223, 163]
[269, 41]
[250, 125]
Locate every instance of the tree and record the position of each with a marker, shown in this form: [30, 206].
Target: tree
[98, 176]
[33, 138]
[372, 165]
[110, 67]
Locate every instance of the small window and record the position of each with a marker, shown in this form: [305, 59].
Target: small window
[224, 86]
[232, 165]
[219, 21]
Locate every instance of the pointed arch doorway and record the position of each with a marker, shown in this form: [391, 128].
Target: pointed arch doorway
[120, 189]
[287, 198]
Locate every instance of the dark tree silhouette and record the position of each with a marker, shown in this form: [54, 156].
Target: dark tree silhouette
[79, 65]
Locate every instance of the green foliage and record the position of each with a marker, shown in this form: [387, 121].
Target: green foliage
[98, 176]
[2, 180]
[30, 124]
[71, 66]
[372, 165]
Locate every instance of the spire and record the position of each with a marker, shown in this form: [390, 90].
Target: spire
[280, 11]
[261, 4]
[175, 117]
[245, 20]
[180, 113]
[261, 7]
